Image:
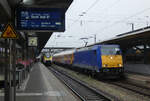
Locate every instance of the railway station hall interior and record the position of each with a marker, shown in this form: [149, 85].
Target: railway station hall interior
[74, 50]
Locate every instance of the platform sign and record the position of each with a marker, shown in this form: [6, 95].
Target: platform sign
[50, 19]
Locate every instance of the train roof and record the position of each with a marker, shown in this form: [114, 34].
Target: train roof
[94, 47]
[65, 52]
[108, 45]
[82, 49]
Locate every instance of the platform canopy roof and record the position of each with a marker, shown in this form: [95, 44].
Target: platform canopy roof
[131, 39]
[7, 5]
[49, 3]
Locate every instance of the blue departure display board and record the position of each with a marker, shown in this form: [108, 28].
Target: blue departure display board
[51, 19]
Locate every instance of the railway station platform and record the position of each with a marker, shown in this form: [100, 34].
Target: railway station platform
[138, 74]
[42, 85]
[143, 69]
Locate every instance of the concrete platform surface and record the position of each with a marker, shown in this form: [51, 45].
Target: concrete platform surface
[138, 68]
[44, 86]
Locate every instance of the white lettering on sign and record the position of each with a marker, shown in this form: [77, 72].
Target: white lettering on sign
[34, 17]
[39, 17]
[45, 23]
[42, 17]
[58, 23]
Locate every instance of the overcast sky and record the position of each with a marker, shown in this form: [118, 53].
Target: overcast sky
[103, 18]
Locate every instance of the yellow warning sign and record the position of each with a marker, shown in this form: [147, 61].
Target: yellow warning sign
[9, 32]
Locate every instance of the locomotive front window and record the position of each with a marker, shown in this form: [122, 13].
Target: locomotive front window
[47, 55]
[110, 51]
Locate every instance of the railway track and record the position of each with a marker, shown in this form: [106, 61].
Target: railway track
[84, 92]
[132, 87]
[136, 89]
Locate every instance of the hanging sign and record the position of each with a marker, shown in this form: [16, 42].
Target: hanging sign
[41, 19]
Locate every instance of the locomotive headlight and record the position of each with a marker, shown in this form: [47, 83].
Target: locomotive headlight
[120, 65]
[105, 65]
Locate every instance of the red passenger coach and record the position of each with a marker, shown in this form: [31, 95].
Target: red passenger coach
[65, 57]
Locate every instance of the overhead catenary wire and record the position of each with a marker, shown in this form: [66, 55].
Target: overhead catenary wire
[96, 21]
[87, 20]
[117, 22]
[101, 21]
[109, 7]
[111, 24]
[93, 4]
[86, 11]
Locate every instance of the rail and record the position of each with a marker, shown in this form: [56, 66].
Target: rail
[83, 91]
